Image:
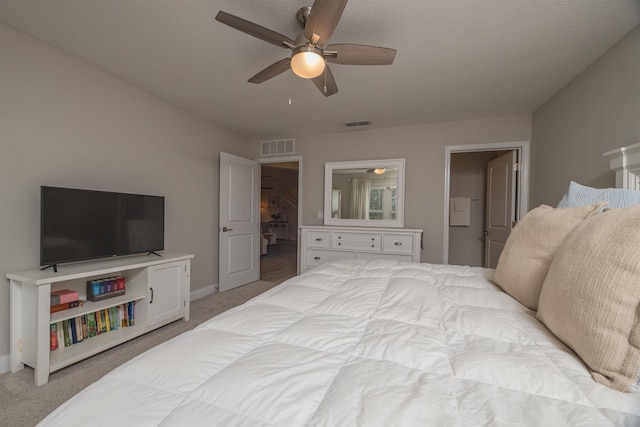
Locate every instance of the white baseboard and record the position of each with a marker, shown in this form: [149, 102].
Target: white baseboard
[200, 293]
[4, 364]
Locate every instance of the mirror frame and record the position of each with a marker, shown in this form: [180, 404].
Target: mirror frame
[329, 167]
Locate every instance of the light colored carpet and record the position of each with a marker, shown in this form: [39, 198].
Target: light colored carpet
[22, 404]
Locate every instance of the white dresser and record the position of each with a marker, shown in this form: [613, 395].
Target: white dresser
[321, 244]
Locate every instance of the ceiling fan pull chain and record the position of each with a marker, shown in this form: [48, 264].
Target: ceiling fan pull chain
[325, 79]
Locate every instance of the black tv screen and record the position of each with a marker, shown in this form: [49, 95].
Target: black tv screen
[78, 225]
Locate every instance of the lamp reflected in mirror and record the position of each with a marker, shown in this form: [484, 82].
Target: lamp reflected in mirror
[369, 193]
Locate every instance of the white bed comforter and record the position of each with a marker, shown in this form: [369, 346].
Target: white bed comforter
[371, 343]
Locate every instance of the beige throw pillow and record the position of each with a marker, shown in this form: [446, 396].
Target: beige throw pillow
[591, 296]
[527, 254]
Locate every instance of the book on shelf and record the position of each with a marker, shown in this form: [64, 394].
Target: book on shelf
[60, 329]
[108, 287]
[131, 309]
[107, 321]
[79, 334]
[73, 330]
[85, 327]
[53, 340]
[98, 323]
[67, 332]
[120, 316]
[62, 296]
[65, 306]
[92, 328]
[113, 318]
[81, 328]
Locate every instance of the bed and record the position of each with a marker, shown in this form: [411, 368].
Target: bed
[384, 343]
[360, 343]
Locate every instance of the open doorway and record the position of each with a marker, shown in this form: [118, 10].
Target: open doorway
[469, 240]
[279, 218]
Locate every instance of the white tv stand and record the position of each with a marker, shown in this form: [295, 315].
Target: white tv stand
[159, 286]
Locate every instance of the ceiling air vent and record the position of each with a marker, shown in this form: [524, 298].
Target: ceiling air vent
[277, 147]
[357, 123]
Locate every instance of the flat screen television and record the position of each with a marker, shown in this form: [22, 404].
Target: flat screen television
[79, 225]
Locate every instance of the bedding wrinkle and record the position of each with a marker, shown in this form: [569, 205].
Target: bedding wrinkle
[326, 393]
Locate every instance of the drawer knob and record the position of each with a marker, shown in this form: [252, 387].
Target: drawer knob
[317, 258]
[339, 237]
[398, 243]
[319, 239]
[339, 244]
[373, 246]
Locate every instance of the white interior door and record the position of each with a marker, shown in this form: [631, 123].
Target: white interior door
[239, 230]
[501, 205]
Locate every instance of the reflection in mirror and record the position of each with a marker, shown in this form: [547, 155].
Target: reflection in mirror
[336, 203]
[367, 193]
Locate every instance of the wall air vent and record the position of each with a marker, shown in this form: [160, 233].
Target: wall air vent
[358, 123]
[277, 147]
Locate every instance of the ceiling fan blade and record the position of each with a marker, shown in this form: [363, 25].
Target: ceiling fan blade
[271, 71]
[323, 19]
[357, 54]
[326, 83]
[254, 30]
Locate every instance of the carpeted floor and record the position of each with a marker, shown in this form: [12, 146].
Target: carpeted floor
[22, 404]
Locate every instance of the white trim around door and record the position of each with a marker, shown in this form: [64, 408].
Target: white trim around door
[523, 148]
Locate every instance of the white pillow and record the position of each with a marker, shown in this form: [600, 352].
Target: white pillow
[581, 195]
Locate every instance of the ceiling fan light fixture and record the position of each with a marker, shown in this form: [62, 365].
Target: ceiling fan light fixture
[307, 61]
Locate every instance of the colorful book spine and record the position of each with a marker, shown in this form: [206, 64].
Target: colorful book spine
[98, 323]
[120, 314]
[107, 320]
[92, 327]
[74, 331]
[79, 333]
[60, 329]
[108, 287]
[67, 333]
[85, 327]
[113, 318]
[125, 311]
[132, 313]
[53, 341]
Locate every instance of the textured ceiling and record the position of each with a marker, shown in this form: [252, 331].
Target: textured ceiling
[456, 60]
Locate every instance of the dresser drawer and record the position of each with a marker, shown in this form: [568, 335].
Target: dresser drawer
[319, 239]
[319, 257]
[397, 243]
[381, 255]
[357, 241]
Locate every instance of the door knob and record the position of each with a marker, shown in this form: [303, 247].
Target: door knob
[226, 229]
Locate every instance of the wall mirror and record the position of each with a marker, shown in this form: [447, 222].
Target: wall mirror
[364, 193]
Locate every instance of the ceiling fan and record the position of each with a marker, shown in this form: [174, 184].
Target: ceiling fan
[309, 51]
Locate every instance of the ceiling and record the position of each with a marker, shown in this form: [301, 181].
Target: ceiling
[456, 60]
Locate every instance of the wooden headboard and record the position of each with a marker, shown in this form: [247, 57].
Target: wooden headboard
[625, 162]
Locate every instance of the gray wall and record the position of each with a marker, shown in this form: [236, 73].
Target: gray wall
[469, 179]
[596, 112]
[65, 123]
[423, 147]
